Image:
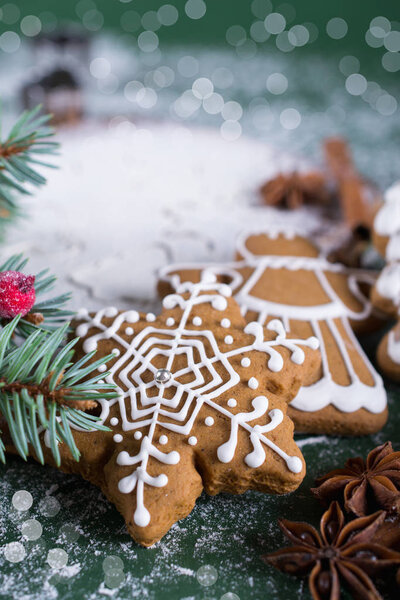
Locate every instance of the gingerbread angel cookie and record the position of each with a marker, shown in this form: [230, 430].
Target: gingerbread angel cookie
[202, 405]
[386, 292]
[286, 277]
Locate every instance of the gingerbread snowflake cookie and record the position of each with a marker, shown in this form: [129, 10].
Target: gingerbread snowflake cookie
[386, 292]
[202, 405]
[287, 277]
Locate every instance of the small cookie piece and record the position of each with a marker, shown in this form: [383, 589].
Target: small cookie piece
[175, 430]
[386, 292]
[285, 276]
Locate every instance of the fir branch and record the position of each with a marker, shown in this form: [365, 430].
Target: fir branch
[46, 314]
[30, 136]
[42, 391]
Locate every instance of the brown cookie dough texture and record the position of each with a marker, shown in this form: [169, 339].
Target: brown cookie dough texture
[202, 405]
[285, 276]
[386, 292]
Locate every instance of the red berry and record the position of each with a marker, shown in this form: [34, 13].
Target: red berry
[17, 294]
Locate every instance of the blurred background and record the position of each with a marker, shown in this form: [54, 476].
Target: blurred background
[172, 114]
[288, 73]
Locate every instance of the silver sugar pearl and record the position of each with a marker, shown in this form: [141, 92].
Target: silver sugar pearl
[162, 376]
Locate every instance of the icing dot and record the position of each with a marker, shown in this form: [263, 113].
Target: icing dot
[169, 301]
[197, 321]
[116, 351]
[22, 500]
[14, 552]
[31, 529]
[192, 440]
[132, 316]
[118, 438]
[89, 345]
[225, 323]
[225, 290]
[57, 558]
[245, 362]
[209, 421]
[208, 277]
[170, 321]
[111, 311]
[82, 330]
[219, 303]
[294, 464]
[163, 440]
[232, 402]
[137, 435]
[102, 368]
[150, 317]
[49, 506]
[114, 421]
[253, 383]
[228, 339]
[129, 331]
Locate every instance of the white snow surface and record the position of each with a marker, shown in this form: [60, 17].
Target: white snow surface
[128, 199]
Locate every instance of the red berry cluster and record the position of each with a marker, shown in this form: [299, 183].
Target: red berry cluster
[17, 294]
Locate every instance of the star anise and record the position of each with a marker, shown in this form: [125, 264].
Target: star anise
[365, 486]
[292, 190]
[340, 554]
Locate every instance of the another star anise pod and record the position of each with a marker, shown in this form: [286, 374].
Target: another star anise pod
[340, 554]
[365, 486]
[292, 190]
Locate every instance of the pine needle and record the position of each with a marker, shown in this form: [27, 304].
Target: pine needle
[30, 136]
[40, 387]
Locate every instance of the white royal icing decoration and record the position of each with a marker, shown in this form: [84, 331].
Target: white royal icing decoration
[209, 421]
[114, 421]
[387, 220]
[228, 339]
[129, 331]
[117, 438]
[170, 322]
[179, 412]
[232, 402]
[225, 323]
[387, 224]
[388, 283]
[163, 440]
[326, 391]
[253, 383]
[197, 321]
[245, 362]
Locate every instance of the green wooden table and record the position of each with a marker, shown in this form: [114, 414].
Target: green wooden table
[227, 532]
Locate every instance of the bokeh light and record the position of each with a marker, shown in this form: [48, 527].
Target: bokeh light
[275, 23]
[290, 118]
[336, 28]
[356, 84]
[195, 9]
